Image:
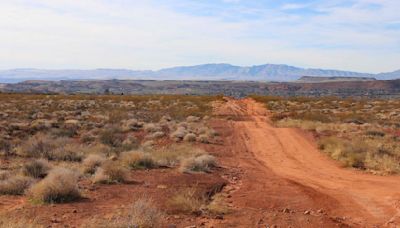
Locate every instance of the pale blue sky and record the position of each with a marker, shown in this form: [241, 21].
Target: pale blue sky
[358, 35]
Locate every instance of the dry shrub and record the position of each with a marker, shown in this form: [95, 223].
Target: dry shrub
[143, 213]
[202, 163]
[97, 148]
[36, 168]
[38, 146]
[15, 185]
[187, 201]
[217, 206]
[109, 173]
[138, 160]
[112, 136]
[68, 152]
[88, 137]
[44, 146]
[4, 174]
[156, 135]
[192, 119]
[130, 143]
[384, 163]
[148, 145]
[178, 134]
[6, 148]
[190, 137]
[60, 185]
[151, 127]
[91, 162]
[132, 124]
[203, 138]
[351, 154]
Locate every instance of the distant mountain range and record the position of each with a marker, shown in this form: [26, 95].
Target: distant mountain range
[267, 72]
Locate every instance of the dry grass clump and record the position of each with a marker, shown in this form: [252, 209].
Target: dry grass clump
[112, 136]
[36, 168]
[60, 185]
[91, 162]
[151, 127]
[202, 163]
[172, 155]
[143, 213]
[217, 206]
[15, 185]
[187, 201]
[109, 173]
[138, 160]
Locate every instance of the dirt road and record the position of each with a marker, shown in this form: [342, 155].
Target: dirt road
[280, 178]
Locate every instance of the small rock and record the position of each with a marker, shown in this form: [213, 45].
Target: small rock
[307, 212]
[177, 216]
[286, 210]
[75, 211]
[219, 217]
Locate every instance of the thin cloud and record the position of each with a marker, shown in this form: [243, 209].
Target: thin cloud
[358, 35]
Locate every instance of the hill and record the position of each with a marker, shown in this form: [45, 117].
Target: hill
[267, 72]
[333, 79]
[381, 89]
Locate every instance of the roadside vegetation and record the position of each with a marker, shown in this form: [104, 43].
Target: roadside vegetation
[360, 133]
[64, 148]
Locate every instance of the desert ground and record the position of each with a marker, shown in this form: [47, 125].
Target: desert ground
[198, 161]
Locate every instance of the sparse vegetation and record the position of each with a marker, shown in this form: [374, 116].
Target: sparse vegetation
[47, 141]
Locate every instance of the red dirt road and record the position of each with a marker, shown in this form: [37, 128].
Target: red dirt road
[281, 178]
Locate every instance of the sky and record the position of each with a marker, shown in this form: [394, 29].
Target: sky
[356, 35]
